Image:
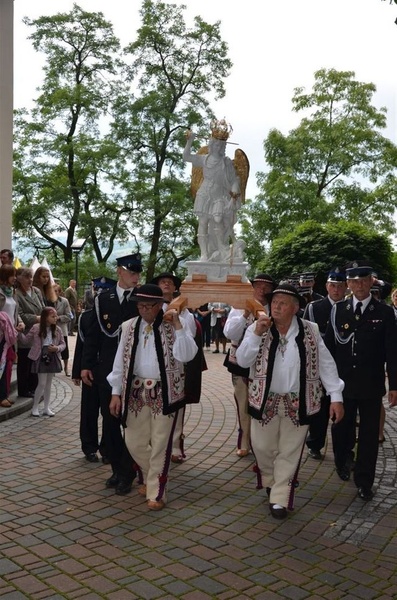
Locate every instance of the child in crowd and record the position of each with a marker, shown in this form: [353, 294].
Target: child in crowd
[45, 353]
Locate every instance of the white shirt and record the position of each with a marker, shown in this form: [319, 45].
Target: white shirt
[236, 323]
[285, 377]
[146, 363]
[363, 302]
[120, 292]
[188, 318]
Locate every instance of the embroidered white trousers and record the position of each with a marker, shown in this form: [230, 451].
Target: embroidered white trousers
[148, 437]
[244, 420]
[277, 446]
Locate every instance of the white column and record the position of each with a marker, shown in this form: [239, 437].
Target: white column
[6, 119]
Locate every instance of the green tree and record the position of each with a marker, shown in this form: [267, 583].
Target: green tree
[335, 165]
[63, 182]
[319, 247]
[174, 71]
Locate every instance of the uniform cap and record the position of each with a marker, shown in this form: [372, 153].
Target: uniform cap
[336, 275]
[307, 276]
[103, 283]
[131, 262]
[357, 269]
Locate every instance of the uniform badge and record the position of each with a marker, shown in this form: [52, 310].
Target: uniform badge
[105, 317]
[109, 326]
[346, 326]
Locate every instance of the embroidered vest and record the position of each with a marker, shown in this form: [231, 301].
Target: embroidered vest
[172, 372]
[310, 391]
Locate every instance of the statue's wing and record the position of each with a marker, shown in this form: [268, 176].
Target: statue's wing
[242, 166]
[197, 174]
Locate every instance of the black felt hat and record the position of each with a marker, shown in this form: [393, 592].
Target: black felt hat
[289, 290]
[148, 292]
[265, 278]
[175, 279]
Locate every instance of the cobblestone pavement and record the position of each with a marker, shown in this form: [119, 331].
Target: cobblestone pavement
[64, 535]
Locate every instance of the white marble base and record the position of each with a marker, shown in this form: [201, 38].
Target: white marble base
[216, 271]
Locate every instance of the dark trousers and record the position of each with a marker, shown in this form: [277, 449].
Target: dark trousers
[116, 450]
[27, 381]
[319, 426]
[89, 413]
[206, 333]
[367, 444]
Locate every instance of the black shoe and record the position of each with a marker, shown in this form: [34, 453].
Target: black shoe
[316, 454]
[365, 493]
[105, 460]
[92, 457]
[344, 473]
[113, 481]
[26, 395]
[278, 513]
[123, 487]
[215, 352]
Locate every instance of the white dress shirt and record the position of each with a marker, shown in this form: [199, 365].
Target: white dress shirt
[285, 377]
[146, 363]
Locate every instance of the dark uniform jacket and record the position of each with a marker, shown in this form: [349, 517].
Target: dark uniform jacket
[103, 332]
[362, 348]
[318, 312]
[84, 321]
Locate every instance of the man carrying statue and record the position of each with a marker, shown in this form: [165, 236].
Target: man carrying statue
[218, 186]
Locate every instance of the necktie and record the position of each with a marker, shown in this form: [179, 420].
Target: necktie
[357, 312]
[125, 296]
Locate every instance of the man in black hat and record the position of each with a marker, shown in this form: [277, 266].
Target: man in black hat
[170, 284]
[112, 307]
[148, 376]
[318, 312]
[235, 328]
[362, 337]
[289, 363]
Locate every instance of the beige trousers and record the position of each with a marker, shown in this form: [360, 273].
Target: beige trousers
[148, 437]
[244, 420]
[277, 446]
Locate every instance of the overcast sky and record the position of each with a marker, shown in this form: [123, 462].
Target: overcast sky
[275, 46]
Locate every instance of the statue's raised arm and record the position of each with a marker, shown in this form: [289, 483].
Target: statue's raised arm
[218, 187]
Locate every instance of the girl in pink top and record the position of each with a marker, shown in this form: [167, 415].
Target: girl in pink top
[47, 344]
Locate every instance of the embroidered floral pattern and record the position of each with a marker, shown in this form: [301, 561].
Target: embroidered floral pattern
[174, 371]
[290, 406]
[313, 390]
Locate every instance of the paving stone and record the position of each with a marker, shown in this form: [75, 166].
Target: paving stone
[70, 537]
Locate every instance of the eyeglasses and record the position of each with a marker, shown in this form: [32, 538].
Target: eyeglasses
[146, 306]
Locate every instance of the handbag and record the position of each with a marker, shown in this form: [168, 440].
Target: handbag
[49, 362]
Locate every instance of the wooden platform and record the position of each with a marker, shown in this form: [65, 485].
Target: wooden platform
[199, 291]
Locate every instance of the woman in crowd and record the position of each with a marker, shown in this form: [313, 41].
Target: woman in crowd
[9, 307]
[42, 281]
[64, 313]
[30, 305]
[47, 343]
